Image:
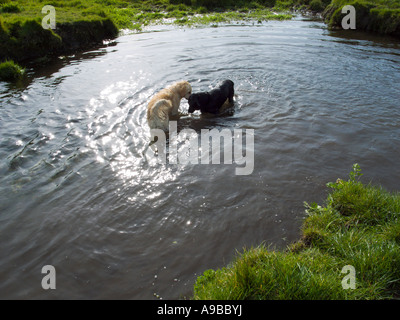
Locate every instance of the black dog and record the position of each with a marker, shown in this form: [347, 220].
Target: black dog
[212, 101]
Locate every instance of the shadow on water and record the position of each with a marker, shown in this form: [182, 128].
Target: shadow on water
[370, 39]
[197, 121]
[46, 67]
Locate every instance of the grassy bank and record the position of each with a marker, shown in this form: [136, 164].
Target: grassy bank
[23, 38]
[81, 24]
[134, 14]
[359, 226]
[379, 16]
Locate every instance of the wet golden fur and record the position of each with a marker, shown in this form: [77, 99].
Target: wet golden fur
[166, 103]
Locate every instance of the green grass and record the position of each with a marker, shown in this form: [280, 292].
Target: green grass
[78, 25]
[25, 39]
[188, 14]
[257, 15]
[84, 23]
[381, 16]
[10, 71]
[135, 13]
[359, 226]
[81, 24]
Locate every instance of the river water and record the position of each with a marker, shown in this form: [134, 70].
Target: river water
[77, 194]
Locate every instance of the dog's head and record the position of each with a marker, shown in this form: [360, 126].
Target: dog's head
[198, 101]
[194, 103]
[185, 89]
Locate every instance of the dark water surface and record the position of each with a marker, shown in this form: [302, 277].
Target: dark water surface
[76, 193]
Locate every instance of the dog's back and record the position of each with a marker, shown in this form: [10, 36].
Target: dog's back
[221, 94]
[158, 114]
[225, 90]
[166, 103]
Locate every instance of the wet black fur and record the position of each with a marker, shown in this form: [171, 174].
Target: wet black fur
[212, 101]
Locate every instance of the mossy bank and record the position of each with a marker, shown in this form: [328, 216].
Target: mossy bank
[24, 40]
[349, 249]
[380, 16]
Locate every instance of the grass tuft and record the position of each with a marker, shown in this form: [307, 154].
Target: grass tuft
[10, 8]
[10, 71]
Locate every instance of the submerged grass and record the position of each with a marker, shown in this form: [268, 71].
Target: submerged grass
[359, 226]
[258, 15]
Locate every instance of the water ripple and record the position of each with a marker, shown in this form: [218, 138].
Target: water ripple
[77, 192]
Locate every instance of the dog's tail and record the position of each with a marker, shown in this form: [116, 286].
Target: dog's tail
[158, 115]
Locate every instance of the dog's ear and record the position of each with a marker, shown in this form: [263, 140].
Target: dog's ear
[188, 91]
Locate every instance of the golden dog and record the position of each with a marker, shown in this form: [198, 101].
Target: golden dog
[166, 104]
